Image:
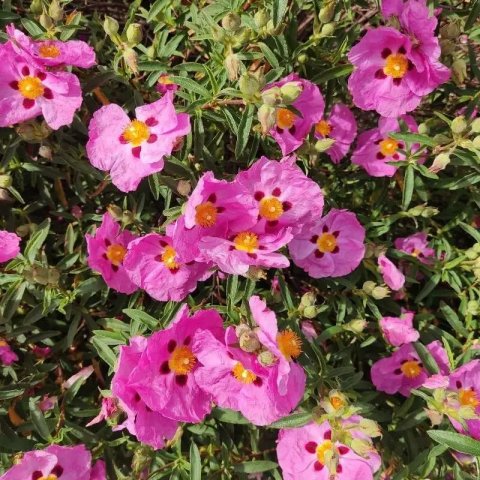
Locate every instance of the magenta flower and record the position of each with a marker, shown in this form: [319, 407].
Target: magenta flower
[107, 249]
[47, 403]
[399, 330]
[108, 410]
[165, 84]
[9, 245]
[309, 452]
[417, 246]
[290, 130]
[7, 355]
[67, 463]
[404, 371]
[148, 426]
[376, 149]
[331, 246]
[392, 276]
[340, 126]
[163, 268]
[283, 195]
[133, 149]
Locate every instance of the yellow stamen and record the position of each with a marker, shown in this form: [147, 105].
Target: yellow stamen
[411, 369]
[3, 343]
[396, 65]
[48, 50]
[136, 133]
[165, 80]
[290, 344]
[326, 243]
[271, 208]
[242, 374]
[388, 147]
[31, 87]
[168, 258]
[206, 214]
[182, 360]
[116, 253]
[323, 128]
[285, 118]
[246, 242]
[468, 398]
[416, 252]
[323, 448]
[337, 402]
[52, 476]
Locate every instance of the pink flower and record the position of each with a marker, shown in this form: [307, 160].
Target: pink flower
[133, 149]
[399, 330]
[108, 410]
[41, 352]
[69, 463]
[163, 267]
[308, 329]
[416, 245]
[376, 149]
[392, 276]
[47, 403]
[291, 130]
[404, 371]
[27, 91]
[305, 453]
[83, 373]
[107, 249]
[436, 381]
[9, 245]
[340, 126]
[7, 355]
[165, 84]
[165, 374]
[331, 246]
[148, 426]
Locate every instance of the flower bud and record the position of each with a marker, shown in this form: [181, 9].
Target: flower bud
[249, 85]
[53, 276]
[261, 18]
[23, 230]
[40, 275]
[476, 142]
[459, 124]
[271, 29]
[231, 22]
[302, 58]
[368, 287]
[45, 152]
[423, 129]
[380, 292]
[459, 71]
[266, 358]
[184, 187]
[310, 312]
[291, 91]
[5, 181]
[308, 299]
[256, 273]
[451, 30]
[266, 117]
[45, 21]
[249, 342]
[110, 25]
[272, 96]
[115, 212]
[55, 10]
[327, 11]
[356, 325]
[232, 66]
[440, 162]
[475, 126]
[429, 212]
[130, 58]
[324, 144]
[473, 307]
[33, 131]
[327, 30]
[36, 7]
[134, 34]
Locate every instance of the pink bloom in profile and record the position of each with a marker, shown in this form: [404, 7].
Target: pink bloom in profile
[392, 276]
[399, 330]
[165, 84]
[308, 329]
[27, 90]
[416, 245]
[47, 403]
[283, 195]
[9, 245]
[376, 149]
[163, 268]
[52, 53]
[133, 149]
[309, 452]
[331, 246]
[41, 352]
[165, 374]
[108, 410]
[290, 129]
[404, 371]
[151, 428]
[107, 249]
[7, 355]
[340, 126]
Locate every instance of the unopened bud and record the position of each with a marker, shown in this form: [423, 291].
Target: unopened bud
[308, 299]
[271, 29]
[272, 96]
[127, 218]
[5, 181]
[368, 287]
[131, 58]
[36, 7]
[33, 131]
[266, 117]
[232, 66]
[53, 276]
[476, 142]
[327, 30]
[447, 46]
[184, 187]
[302, 58]
[459, 125]
[115, 212]
[327, 11]
[473, 307]
[475, 126]
[40, 275]
[440, 162]
[231, 22]
[356, 326]
[450, 30]
[267, 358]
[423, 129]
[45, 152]
[324, 144]
[459, 71]
[249, 342]
[261, 18]
[134, 34]
[55, 10]
[290, 91]
[110, 25]
[380, 292]
[441, 139]
[45, 21]
[249, 85]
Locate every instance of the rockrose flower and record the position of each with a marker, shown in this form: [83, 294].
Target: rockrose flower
[108, 410]
[331, 246]
[165, 84]
[107, 249]
[9, 245]
[376, 149]
[133, 149]
[165, 374]
[392, 276]
[404, 371]
[416, 245]
[341, 127]
[56, 462]
[399, 330]
[7, 355]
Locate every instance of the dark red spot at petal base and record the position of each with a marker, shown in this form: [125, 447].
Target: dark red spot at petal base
[342, 449]
[163, 243]
[220, 209]
[396, 156]
[258, 196]
[122, 140]
[212, 198]
[252, 255]
[402, 50]
[187, 340]
[36, 475]
[41, 75]
[276, 192]
[152, 138]
[324, 229]
[25, 71]
[327, 435]
[258, 382]
[311, 447]
[47, 93]
[28, 103]
[14, 85]
[286, 206]
[279, 130]
[292, 130]
[410, 66]
[314, 239]
[181, 380]
[319, 254]
[339, 469]
[272, 223]
[397, 371]
[458, 384]
[336, 233]
[136, 151]
[380, 156]
[317, 466]
[171, 346]
[397, 81]
[57, 470]
[386, 52]
[164, 368]
[115, 268]
[336, 249]
[137, 397]
[379, 75]
[151, 122]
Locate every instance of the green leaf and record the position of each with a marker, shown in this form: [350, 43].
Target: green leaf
[229, 416]
[141, 316]
[412, 138]
[38, 420]
[426, 357]
[244, 130]
[195, 463]
[191, 86]
[331, 73]
[257, 466]
[456, 441]
[278, 11]
[408, 185]
[452, 318]
[293, 421]
[36, 240]
[32, 28]
[474, 13]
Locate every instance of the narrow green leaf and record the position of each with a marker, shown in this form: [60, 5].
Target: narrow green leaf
[244, 130]
[426, 357]
[191, 86]
[195, 463]
[412, 138]
[452, 318]
[331, 73]
[293, 421]
[474, 13]
[456, 441]
[278, 11]
[38, 420]
[257, 466]
[141, 316]
[36, 240]
[408, 186]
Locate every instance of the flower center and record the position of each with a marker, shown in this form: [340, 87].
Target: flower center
[285, 118]
[246, 242]
[136, 133]
[396, 65]
[322, 449]
[3, 343]
[468, 398]
[206, 214]
[411, 369]
[323, 128]
[51, 476]
[182, 360]
[416, 252]
[116, 253]
[388, 147]
[271, 208]
[289, 344]
[326, 243]
[31, 87]
[337, 402]
[48, 50]
[168, 258]
[242, 374]
[165, 80]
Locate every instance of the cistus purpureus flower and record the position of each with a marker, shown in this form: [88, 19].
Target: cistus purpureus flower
[392, 276]
[399, 330]
[331, 246]
[416, 245]
[404, 371]
[57, 462]
[7, 355]
[9, 245]
[165, 84]
[339, 126]
[107, 249]
[376, 149]
[108, 410]
[133, 149]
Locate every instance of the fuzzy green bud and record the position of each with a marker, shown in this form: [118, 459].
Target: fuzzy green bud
[55, 10]
[368, 287]
[290, 91]
[459, 71]
[459, 124]
[134, 34]
[423, 129]
[308, 299]
[302, 58]
[327, 30]
[45, 152]
[272, 96]
[475, 126]
[440, 162]
[232, 66]
[261, 18]
[324, 144]
[131, 59]
[231, 22]
[111, 26]
[249, 85]
[33, 131]
[327, 11]
[5, 181]
[380, 292]
[45, 21]
[115, 211]
[476, 142]
[266, 358]
[356, 325]
[447, 46]
[266, 116]
[473, 307]
[310, 312]
[36, 7]
[451, 30]
[248, 341]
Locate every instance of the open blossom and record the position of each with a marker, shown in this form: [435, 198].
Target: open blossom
[55, 461]
[399, 330]
[404, 371]
[107, 249]
[339, 126]
[7, 355]
[165, 84]
[9, 245]
[392, 276]
[416, 245]
[133, 149]
[331, 246]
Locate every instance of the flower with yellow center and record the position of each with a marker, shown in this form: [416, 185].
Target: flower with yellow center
[168, 258]
[165, 80]
[48, 50]
[468, 398]
[416, 252]
[271, 208]
[285, 118]
[52, 476]
[396, 65]
[31, 87]
[116, 253]
[323, 448]
[323, 128]
[242, 374]
[411, 369]
[246, 242]
[182, 360]
[290, 344]
[326, 243]
[206, 214]
[388, 147]
[136, 133]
